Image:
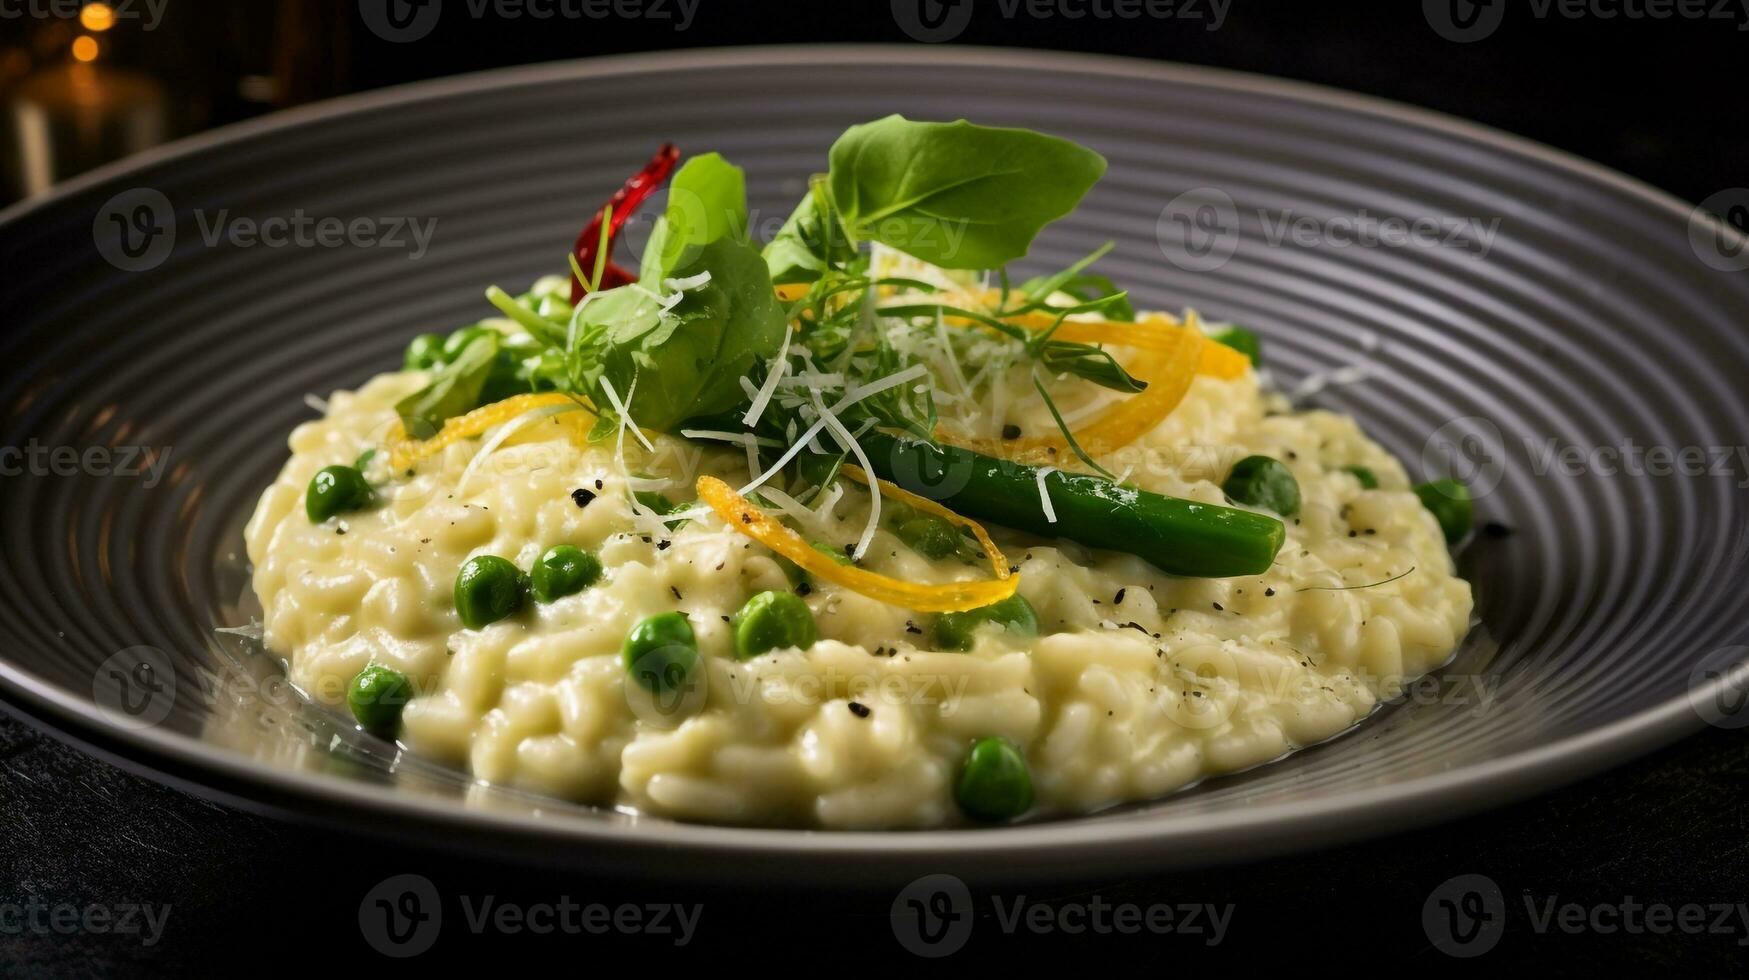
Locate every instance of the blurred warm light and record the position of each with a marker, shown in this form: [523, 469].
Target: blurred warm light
[85, 48]
[96, 17]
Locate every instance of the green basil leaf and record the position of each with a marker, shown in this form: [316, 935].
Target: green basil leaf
[706, 201]
[689, 361]
[454, 391]
[956, 195]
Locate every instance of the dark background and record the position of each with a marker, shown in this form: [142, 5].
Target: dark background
[1661, 100]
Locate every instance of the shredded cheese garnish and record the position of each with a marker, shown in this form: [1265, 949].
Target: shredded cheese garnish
[740, 513]
[1169, 375]
[1044, 493]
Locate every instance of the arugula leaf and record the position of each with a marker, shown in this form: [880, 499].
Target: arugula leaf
[1095, 292]
[690, 360]
[1089, 363]
[454, 391]
[810, 241]
[706, 201]
[953, 194]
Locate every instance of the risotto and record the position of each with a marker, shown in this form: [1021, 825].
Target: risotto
[539, 570]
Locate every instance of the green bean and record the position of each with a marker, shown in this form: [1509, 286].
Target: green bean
[1180, 537]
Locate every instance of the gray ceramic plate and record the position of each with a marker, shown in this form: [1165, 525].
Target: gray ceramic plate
[1522, 318]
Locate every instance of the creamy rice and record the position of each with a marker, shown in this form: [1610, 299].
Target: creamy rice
[1139, 683]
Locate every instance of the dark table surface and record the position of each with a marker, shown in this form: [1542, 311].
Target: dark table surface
[233, 892]
[237, 893]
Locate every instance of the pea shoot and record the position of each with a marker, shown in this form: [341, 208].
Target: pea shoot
[423, 352]
[487, 589]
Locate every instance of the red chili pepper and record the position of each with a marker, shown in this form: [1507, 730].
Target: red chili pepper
[623, 202]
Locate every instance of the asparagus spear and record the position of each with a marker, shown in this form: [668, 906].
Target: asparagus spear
[1180, 537]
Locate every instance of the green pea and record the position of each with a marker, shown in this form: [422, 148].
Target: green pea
[1241, 340]
[458, 341]
[994, 782]
[1449, 501]
[423, 352]
[563, 570]
[488, 588]
[1368, 479]
[931, 537]
[1260, 481]
[661, 653]
[376, 696]
[956, 631]
[334, 490]
[773, 621]
[833, 552]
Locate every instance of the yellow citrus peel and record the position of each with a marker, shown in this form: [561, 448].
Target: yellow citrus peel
[1168, 373]
[740, 513]
[405, 451]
